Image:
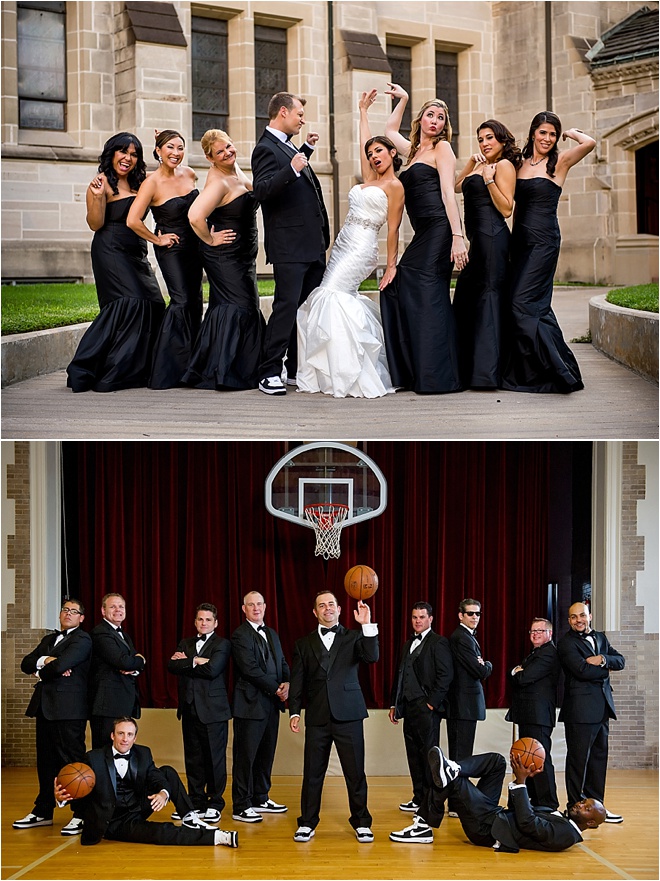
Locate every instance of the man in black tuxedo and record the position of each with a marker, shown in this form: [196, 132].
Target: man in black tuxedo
[420, 697]
[587, 658]
[260, 691]
[485, 823]
[324, 675]
[467, 704]
[296, 231]
[114, 671]
[534, 707]
[59, 704]
[201, 662]
[129, 788]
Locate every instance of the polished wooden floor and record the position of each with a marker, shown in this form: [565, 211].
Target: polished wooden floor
[267, 850]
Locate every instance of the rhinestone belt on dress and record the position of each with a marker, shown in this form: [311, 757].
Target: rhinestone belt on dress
[362, 221]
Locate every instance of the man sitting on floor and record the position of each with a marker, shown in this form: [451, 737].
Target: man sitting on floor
[129, 788]
[486, 823]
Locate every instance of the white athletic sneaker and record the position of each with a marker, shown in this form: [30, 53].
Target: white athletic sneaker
[417, 833]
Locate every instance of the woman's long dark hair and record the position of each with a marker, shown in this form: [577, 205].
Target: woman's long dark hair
[397, 161]
[503, 136]
[122, 141]
[537, 122]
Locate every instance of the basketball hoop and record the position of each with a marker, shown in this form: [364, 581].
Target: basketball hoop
[327, 520]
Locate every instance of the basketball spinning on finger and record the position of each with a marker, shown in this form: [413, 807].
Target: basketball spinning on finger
[77, 778]
[361, 582]
[530, 752]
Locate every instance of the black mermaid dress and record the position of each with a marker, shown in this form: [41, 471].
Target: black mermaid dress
[481, 288]
[181, 266]
[115, 352]
[538, 360]
[418, 322]
[227, 352]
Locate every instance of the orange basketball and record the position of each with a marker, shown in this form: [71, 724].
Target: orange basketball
[531, 752]
[361, 582]
[77, 778]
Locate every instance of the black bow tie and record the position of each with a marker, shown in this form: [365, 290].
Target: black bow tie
[261, 628]
[583, 635]
[202, 637]
[417, 636]
[334, 629]
[122, 756]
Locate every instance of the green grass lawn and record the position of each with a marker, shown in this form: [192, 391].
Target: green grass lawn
[641, 296]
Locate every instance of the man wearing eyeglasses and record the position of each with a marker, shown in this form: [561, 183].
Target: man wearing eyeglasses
[534, 707]
[60, 664]
[467, 704]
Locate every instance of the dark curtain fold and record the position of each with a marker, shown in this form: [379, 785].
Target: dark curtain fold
[171, 525]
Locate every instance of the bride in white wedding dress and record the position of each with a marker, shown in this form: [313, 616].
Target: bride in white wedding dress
[341, 351]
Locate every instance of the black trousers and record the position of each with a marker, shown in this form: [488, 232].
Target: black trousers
[135, 826]
[542, 788]
[255, 741]
[476, 806]
[58, 742]
[205, 758]
[421, 731]
[586, 759]
[348, 738]
[294, 282]
[460, 737]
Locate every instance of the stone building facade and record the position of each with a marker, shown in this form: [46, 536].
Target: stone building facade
[133, 66]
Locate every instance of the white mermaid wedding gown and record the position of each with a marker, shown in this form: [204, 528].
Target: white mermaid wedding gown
[341, 351]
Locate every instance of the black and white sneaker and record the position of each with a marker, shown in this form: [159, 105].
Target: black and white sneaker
[612, 818]
[303, 833]
[31, 821]
[364, 835]
[269, 807]
[249, 815]
[443, 770]
[417, 833]
[193, 820]
[73, 827]
[409, 806]
[229, 839]
[176, 816]
[272, 385]
[211, 815]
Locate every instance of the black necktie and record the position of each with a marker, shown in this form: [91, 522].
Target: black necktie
[334, 629]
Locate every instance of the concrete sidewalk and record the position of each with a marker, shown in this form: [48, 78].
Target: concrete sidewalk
[615, 403]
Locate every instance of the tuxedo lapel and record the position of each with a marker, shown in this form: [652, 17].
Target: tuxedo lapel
[112, 771]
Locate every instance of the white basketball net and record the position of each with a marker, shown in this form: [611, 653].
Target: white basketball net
[327, 520]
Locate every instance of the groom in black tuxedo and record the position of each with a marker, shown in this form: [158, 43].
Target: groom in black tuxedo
[296, 229]
[325, 672]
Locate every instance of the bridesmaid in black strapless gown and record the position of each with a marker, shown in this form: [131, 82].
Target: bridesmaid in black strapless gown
[115, 352]
[539, 359]
[181, 265]
[226, 354]
[488, 183]
[418, 324]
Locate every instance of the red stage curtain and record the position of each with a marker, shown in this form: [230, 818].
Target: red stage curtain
[171, 525]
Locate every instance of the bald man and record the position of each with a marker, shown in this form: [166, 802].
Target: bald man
[587, 658]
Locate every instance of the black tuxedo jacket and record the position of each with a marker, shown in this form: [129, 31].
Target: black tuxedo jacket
[587, 689]
[58, 696]
[112, 692]
[534, 688]
[296, 228]
[466, 695]
[204, 685]
[254, 689]
[434, 668]
[327, 682]
[97, 808]
[521, 825]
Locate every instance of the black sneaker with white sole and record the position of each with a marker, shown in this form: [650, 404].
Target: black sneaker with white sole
[419, 832]
[612, 818]
[73, 827]
[269, 807]
[249, 815]
[411, 806]
[272, 385]
[443, 770]
[31, 821]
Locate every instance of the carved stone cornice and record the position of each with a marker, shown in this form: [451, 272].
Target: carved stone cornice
[624, 73]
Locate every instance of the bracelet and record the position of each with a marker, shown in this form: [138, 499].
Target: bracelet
[489, 182]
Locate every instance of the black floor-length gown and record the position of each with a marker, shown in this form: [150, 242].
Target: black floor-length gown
[116, 350]
[539, 360]
[418, 323]
[181, 265]
[481, 288]
[227, 352]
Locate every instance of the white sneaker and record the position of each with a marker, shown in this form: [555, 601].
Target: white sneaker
[417, 833]
[272, 385]
[364, 835]
[304, 833]
[211, 815]
[249, 815]
[30, 821]
[73, 827]
[229, 839]
[193, 820]
[612, 818]
[269, 807]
